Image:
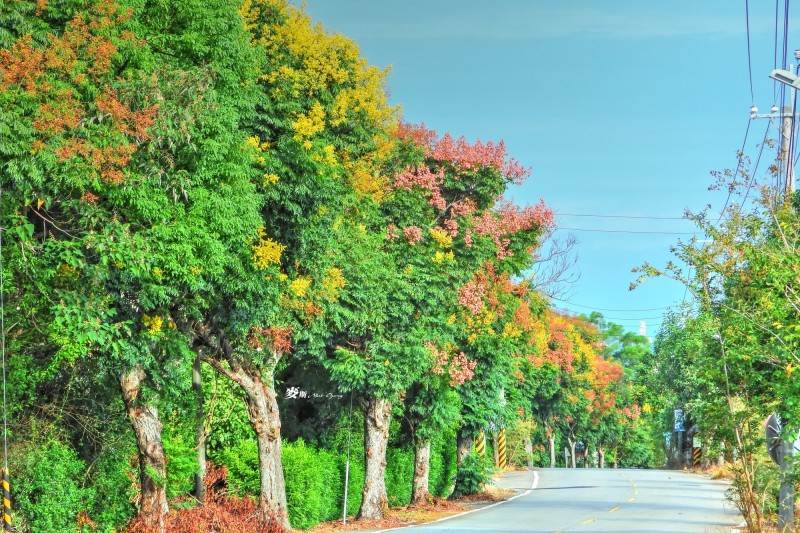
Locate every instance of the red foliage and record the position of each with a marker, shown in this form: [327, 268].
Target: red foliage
[509, 219]
[458, 366]
[276, 338]
[463, 155]
[60, 76]
[220, 513]
[413, 234]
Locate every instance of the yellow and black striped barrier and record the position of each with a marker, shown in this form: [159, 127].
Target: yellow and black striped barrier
[502, 453]
[6, 502]
[697, 454]
[480, 443]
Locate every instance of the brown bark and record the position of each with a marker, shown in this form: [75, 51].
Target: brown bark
[262, 410]
[422, 469]
[463, 445]
[152, 460]
[199, 477]
[602, 455]
[572, 452]
[528, 443]
[374, 501]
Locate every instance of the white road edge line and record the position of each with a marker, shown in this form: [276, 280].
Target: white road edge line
[533, 487]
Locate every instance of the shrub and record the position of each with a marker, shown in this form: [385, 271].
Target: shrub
[399, 476]
[313, 479]
[47, 495]
[443, 464]
[473, 474]
[313, 484]
[114, 478]
[242, 463]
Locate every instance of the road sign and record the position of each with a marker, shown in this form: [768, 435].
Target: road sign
[679, 420]
[696, 442]
[772, 434]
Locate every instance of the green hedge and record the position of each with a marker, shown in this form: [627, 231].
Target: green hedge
[315, 478]
[47, 493]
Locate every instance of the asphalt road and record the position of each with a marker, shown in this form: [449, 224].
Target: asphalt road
[607, 501]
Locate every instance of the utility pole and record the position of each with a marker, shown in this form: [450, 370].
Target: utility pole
[786, 449]
[785, 163]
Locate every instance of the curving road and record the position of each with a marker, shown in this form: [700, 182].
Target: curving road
[607, 501]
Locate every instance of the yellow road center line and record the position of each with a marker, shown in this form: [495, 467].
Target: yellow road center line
[636, 492]
[588, 521]
[614, 509]
[631, 499]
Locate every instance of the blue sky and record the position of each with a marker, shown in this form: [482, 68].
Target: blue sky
[621, 108]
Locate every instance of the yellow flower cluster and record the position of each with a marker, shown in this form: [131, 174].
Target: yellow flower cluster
[328, 156]
[257, 148]
[152, 323]
[158, 273]
[441, 238]
[440, 257]
[511, 331]
[332, 283]
[267, 252]
[309, 124]
[300, 286]
[270, 179]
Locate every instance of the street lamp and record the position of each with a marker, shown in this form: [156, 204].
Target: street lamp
[786, 77]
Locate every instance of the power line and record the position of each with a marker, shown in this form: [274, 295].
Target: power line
[618, 216]
[617, 318]
[749, 66]
[613, 310]
[628, 231]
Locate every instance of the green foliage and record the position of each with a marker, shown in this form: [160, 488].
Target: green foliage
[443, 464]
[474, 473]
[45, 482]
[114, 477]
[314, 484]
[399, 474]
[179, 447]
[242, 462]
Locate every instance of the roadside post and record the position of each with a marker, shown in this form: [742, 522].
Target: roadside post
[480, 443]
[697, 450]
[781, 449]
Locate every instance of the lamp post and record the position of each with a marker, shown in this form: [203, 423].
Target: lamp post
[792, 80]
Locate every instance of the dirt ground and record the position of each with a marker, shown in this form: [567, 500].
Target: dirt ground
[418, 514]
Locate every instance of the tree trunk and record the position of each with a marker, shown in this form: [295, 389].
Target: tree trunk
[551, 440]
[528, 443]
[200, 433]
[602, 455]
[463, 445]
[586, 456]
[262, 410]
[152, 460]
[615, 464]
[422, 470]
[572, 452]
[374, 501]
